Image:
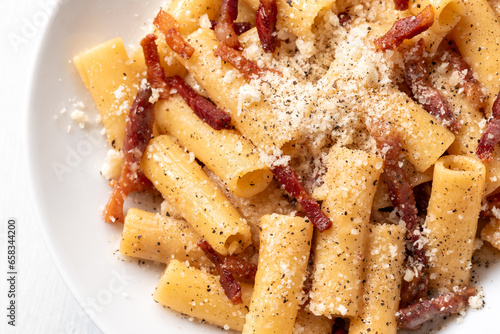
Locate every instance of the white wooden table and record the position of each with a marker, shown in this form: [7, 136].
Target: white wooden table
[44, 303]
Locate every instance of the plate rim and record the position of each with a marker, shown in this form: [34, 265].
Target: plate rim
[33, 183]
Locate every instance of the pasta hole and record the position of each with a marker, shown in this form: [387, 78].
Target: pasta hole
[253, 182]
[234, 243]
[449, 17]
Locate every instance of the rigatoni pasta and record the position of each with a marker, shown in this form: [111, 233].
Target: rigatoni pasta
[111, 78]
[451, 222]
[338, 255]
[297, 16]
[252, 117]
[423, 138]
[383, 274]
[447, 13]
[185, 185]
[150, 236]
[478, 36]
[233, 159]
[285, 244]
[199, 294]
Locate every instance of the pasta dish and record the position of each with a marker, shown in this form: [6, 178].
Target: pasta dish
[325, 166]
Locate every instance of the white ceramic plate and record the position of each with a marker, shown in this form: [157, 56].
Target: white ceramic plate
[71, 192]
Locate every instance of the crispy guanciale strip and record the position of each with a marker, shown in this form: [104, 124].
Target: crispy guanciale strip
[248, 68]
[401, 4]
[287, 177]
[224, 30]
[156, 75]
[414, 290]
[415, 315]
[417, 77]
[239, 27]
[170, 28]
[137, 135]
[344, 18]
[489, 140]
[472, 87]
[406, 28]
[265, 21]
[203, 108]
[231, 287]
[402, 197]
[240, 268]
[491, 135]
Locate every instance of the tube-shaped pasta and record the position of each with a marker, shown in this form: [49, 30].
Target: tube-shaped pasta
[423, 139]
[232, 158]
[477, 36]
[297, 16]
[188, 12]
[245, 13]
[352, 178]
[199, 294]
[467, 138]
[184, 184]
[285, 245]
[254, 120]
[451, 221]
[111, 78]
[159, 238]
[447, 13]
[382, 281]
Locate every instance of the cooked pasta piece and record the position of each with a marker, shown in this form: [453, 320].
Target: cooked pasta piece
[423, 139]
[383, 273]
[184, 184]
[285, 245]
[447, 13]
[154, 237]
[187, 13]
[352, 179]
[199, 294]
[451, 221]
[473, 127]
[233, 159]
[111, 78]
[477, 36]
[297, 16]
[255, 120]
